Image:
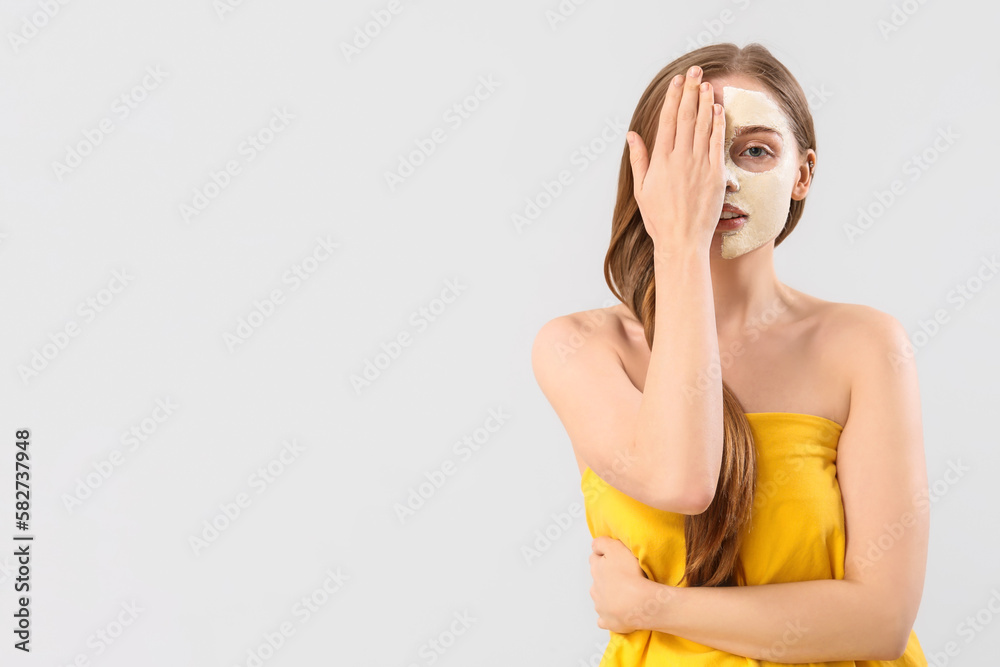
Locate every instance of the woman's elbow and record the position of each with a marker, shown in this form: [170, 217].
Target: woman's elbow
[896, 639]
[689, 502]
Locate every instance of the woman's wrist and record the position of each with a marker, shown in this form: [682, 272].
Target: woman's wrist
[690, 249]
[655, 605]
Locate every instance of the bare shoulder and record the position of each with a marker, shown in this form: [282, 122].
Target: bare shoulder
[856, 330]
[864, 347]
[598, 333]
[611, 327]
[577, 362]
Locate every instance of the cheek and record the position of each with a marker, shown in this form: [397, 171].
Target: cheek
[765, 185]
[765, 188]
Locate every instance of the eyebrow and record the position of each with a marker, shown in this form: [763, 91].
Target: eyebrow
[751, 129]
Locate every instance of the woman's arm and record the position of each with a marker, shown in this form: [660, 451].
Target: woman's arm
[679, 188]
[661, 446]
[883, 482]
[799, 622]
[681, 410]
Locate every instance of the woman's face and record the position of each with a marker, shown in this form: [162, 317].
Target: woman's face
[762, 163]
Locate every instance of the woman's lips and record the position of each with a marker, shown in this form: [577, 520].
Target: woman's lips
[731, 223]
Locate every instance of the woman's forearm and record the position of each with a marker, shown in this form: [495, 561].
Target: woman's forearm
[680, 418]
[802, 621]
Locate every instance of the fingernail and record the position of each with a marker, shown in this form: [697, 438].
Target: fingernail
[694, 71]
[679, 79]
[630, 138]
[718, 109]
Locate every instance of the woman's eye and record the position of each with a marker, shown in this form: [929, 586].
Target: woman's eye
[763, 151]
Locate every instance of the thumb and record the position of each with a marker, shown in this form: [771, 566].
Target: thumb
[639, 159]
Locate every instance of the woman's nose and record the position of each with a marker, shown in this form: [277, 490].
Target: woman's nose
[732, 185]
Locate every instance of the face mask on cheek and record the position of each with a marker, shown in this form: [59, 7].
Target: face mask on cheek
[764, 195]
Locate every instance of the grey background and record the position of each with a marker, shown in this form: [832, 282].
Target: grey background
[878, 100]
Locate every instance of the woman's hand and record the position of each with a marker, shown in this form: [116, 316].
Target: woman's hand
[619, 585]
[681, 186]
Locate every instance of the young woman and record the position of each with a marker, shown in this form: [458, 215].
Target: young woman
[753, 473]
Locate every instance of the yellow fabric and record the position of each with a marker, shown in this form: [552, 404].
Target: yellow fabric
[797, 534]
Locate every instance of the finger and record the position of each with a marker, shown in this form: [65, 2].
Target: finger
[703, 123]
[687, 110]
[717, 144]
[664, 142]
[639, 159]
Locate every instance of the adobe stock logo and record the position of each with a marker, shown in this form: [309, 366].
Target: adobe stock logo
[31, 25]
[131, 440]
[364, 35]
[914, 167]
[88, 310]
[265, 308]
[248, 150]
[225, 7]
[585, 154]
[455, 116]
[232, 509]
[420, 320]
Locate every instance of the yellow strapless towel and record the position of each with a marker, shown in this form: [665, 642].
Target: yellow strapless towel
[797, 534]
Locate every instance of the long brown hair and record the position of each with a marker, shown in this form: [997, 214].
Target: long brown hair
[713, 537]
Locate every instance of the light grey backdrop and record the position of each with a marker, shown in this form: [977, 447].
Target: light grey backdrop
[184, 310]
